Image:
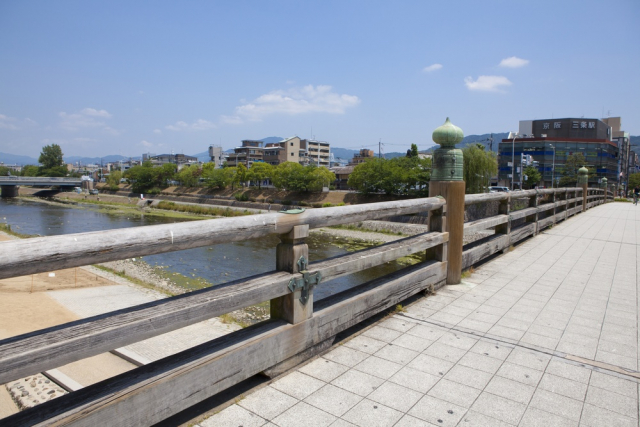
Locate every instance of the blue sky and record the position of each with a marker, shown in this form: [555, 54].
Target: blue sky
[131, 77]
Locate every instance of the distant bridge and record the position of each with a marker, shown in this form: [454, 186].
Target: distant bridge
[8, 184]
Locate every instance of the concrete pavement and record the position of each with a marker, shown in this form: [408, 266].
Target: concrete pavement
[544, 335]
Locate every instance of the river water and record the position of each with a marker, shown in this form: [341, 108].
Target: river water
[217, 264]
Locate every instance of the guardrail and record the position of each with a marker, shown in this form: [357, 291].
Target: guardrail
[153, 392]
[34, 180]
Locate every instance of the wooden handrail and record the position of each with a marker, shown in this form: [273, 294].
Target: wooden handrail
[37, 255]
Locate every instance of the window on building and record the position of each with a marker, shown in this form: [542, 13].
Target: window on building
[292, 154]
[291, 144]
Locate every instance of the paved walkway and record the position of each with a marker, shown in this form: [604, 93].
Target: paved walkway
[545, 335]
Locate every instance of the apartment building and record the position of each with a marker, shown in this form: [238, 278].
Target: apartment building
[361, 157]
[250, 151]
[294, 149]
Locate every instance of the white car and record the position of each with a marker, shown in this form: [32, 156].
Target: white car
[498, 189]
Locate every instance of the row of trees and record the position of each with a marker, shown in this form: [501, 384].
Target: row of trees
[289, 176]
[410, 175]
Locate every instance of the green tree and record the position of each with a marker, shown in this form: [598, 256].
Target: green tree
[51, 156]
[165, 173]
[189, 176]
[569, 171]
[113, 180]
[5, 171]
[29, 170]
[478, 168]
[634, 180]
[413, 151]
[288, 176]
[219, 178]
[143, 177]
[397, 176]
[241, 174]
[259, 171]
[533, 176]
[317, 177]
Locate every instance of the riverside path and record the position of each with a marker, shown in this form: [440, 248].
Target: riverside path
[544, 335]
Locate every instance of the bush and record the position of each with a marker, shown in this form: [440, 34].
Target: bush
[241, 197]
[286, 202]
[154, 190]
[316, 205]
[303, 203]
[340, 204]
[327, 205]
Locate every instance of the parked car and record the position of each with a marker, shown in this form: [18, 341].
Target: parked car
[93, 192]
[498, 189]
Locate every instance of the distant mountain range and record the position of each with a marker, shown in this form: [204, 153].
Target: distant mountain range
[343, 154]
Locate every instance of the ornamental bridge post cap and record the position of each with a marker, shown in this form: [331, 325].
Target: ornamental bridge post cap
[583, 171]
[447, 160]
[447, 135]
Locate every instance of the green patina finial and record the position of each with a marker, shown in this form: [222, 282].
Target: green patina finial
[603, 183]
[583, 175]
[447, 160]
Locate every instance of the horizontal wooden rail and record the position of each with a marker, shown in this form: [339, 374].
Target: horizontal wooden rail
[37, 255]
[156, 391]
[53, 347]
[484, 223]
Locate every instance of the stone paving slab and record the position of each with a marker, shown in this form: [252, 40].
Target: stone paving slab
[544, 335]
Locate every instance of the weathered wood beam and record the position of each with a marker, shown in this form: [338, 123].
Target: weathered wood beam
[522, 213]
[53, 347]
[154, 392]
[472, 199]
[37, 255]
[483, 224]
[479, 252]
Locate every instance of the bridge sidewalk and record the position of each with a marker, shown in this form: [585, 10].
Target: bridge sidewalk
[545, 335]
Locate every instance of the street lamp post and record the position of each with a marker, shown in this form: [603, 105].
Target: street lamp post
[553, 167]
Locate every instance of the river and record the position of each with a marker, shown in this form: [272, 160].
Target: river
[216, 264]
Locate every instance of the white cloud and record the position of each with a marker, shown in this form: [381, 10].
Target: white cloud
[158, 131]
[300, 100]
[87, 118]
[231, 120]
[514, 62]
[199, 124]
[432, 67]
[146, 144]
[12, 123]
[487, 83]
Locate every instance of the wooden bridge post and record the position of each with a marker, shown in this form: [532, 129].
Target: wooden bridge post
[288, 254]
[438, 223]
[447, 181]
[504, 208]
[583, 181]
[533, 203]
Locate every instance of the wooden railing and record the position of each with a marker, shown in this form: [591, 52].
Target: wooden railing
[153, 392]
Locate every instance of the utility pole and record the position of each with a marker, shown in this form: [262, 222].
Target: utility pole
[380, 148]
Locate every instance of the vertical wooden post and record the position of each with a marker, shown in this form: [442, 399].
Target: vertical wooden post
[438, 223]
[585, 194]
[504, 208]
[453, 192]
[533, 203]
[288, 253]
[447, 181]
[553, 200]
